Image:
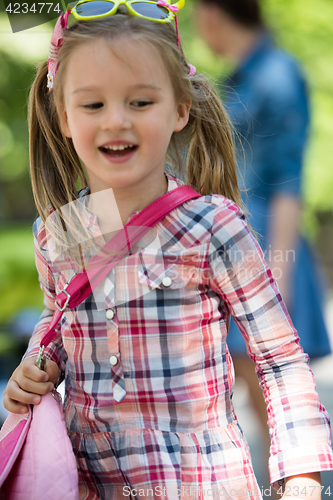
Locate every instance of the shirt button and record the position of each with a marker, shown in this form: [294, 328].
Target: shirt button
[166, 281]
[110, 313]
[113, 360]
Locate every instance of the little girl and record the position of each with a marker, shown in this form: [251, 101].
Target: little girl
[149, 379]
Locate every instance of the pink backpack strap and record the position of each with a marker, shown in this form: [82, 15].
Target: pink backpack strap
[81, 286]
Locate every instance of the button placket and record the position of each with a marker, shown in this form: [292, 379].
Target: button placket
[113, 337]
[117, 376]
[117, 379]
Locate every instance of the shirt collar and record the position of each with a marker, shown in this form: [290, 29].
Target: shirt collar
[91, 220]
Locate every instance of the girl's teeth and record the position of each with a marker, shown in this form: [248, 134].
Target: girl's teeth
[119, 148]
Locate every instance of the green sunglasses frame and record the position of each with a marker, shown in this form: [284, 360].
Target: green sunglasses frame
[72, 8]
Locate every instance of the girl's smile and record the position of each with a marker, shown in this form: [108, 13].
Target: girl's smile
[120, 111]
[118, 151]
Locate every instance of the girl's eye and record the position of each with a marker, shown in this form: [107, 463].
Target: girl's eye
[141, 104]
[94, 105]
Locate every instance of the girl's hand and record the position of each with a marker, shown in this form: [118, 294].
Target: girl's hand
[28, 383]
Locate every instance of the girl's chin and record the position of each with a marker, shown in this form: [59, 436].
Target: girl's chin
[117, 183]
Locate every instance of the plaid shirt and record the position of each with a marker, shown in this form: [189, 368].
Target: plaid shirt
[147, 353]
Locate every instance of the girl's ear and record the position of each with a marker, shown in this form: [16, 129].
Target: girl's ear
[63, 120]
[183, 113]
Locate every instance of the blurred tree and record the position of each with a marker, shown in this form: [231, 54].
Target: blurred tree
[18, 277]
[15, 192]
[305, 29]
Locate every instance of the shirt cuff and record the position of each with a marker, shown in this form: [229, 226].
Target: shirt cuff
[300, 460]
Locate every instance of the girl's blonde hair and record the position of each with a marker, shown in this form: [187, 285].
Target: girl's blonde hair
[205, 145]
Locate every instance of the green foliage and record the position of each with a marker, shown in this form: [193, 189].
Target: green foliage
[305, 29]
[19, 285]
[18, 53]
[13, 116]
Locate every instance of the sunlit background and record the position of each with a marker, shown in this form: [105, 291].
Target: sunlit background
[302, 27]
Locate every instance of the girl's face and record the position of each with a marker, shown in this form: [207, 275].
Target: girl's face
[120, 111]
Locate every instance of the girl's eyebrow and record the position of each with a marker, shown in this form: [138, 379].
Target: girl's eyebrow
[146, 86]
[85, 89]
[140, 86]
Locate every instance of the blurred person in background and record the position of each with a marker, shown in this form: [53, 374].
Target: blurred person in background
[266, 98]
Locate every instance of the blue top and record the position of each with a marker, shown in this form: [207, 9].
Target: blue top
[266, 99]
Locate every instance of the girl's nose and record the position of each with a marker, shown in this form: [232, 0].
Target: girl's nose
[116, 118]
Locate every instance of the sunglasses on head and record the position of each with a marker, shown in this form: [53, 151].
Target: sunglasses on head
[160, 12]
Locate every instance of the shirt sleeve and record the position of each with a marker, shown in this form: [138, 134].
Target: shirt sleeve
[298, 423]
[55, 350]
